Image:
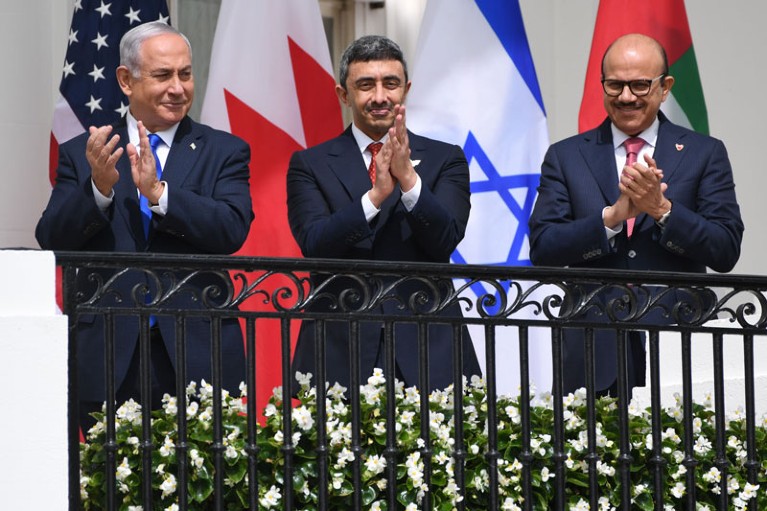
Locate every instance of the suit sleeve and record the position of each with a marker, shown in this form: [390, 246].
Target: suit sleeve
[439, 218]
[71, 218]
[705, 223]
[559, 237]
[323, 226]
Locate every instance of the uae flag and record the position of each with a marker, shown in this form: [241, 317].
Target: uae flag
[271, 83]
[666, 22]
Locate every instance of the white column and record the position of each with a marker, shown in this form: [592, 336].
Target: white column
[33, 384]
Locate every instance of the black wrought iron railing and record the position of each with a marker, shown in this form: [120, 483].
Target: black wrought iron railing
[473, 449]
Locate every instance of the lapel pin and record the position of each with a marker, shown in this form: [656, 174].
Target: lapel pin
[193, 146]
[679, 147]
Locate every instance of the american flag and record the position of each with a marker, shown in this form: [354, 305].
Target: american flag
[89, 94]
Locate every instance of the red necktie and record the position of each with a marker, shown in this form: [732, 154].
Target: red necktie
[373, 148]
[633, 146]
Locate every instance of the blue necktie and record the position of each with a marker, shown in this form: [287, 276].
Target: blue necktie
[146, 213]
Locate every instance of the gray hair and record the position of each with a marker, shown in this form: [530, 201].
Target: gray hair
[130, 44]
[367, 48]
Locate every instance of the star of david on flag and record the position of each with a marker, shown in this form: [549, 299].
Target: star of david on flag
[480, 91]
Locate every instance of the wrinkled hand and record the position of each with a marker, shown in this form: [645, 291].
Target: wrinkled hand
[102, 157]
[143, 168]
[643, 185]
[401, 168]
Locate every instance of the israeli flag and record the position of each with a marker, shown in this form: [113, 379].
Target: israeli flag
[474, 85]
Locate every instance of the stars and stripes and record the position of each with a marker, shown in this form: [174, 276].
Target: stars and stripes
[88, 85]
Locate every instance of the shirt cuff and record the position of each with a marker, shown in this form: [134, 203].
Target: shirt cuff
[368, 208]
[611, 233]
[410, 198]
[161, 208]
[101, 201]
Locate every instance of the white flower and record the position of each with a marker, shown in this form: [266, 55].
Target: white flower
[197, 460]
[169, 405]
[230, 452]
[168, 486]
[123, 470]
[271, 498]
[678, 490]
[510, 505]
[270, 410]
[192, 409]
[406, 417]
[172, 507]
[702, 445]
[604, 468]
[375, 464]
[137, 508]
[377, 378]
[411, 507]
[582, 505]
[303, 418]
[344, 457]
[546, 475]
[168, 447]
[304, 380]
[375, 506]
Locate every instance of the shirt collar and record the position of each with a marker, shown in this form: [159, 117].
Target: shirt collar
[650, 135]
[166, 135]
[363, 141]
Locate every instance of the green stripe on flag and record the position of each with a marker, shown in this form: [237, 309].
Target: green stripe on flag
[688, 91]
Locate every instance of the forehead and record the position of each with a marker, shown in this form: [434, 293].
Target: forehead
[376, 69]
[636, 58]
[166, 50]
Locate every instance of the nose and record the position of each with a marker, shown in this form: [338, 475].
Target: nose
[626, 95]
[379, 93]
[175, 87]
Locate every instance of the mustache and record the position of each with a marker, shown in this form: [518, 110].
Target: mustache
[378, 106]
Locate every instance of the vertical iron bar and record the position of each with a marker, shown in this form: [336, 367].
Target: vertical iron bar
[624, 458]
[592, 458]
[752, 461]
[182, 446]
[390, 452]
[689, 460]
[218, 426]
[558, 457]
[288, 449]
[525, 455]
[110, 445]
[145, 371]
[426, 450]
[492, 417]
[657, 460]
[354, 396]
[720, 460]
[322, 447]
[459, 450]
[252, 406]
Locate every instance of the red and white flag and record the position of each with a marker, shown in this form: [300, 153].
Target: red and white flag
[271, 83]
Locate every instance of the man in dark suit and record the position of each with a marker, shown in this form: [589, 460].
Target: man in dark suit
[673, 209]
[200, 205]
[411, 205]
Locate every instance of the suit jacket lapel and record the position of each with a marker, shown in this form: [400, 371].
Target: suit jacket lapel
[183, 154]
[345, 161]
[599, 155]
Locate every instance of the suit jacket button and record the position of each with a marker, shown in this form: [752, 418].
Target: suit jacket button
[632, 254]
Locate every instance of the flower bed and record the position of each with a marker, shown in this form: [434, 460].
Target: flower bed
[411, 487]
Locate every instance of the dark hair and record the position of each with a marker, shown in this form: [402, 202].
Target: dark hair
[367, 48]
[659, 47]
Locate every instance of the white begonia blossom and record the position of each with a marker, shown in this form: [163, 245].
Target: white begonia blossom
[197, 460]
[375, 506]
[304, 380]
[344, 457]
[172, 507]
[123, 470]
[581, 505]
[135, 508]
[169, 404]
[168, 447]
[510, 505]
[303, 418]
[377, 378]
[678, 490]
[192, 409]
[411, 507]
[375, 464]
[168, 485]
[271, 498]
[702, 445]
